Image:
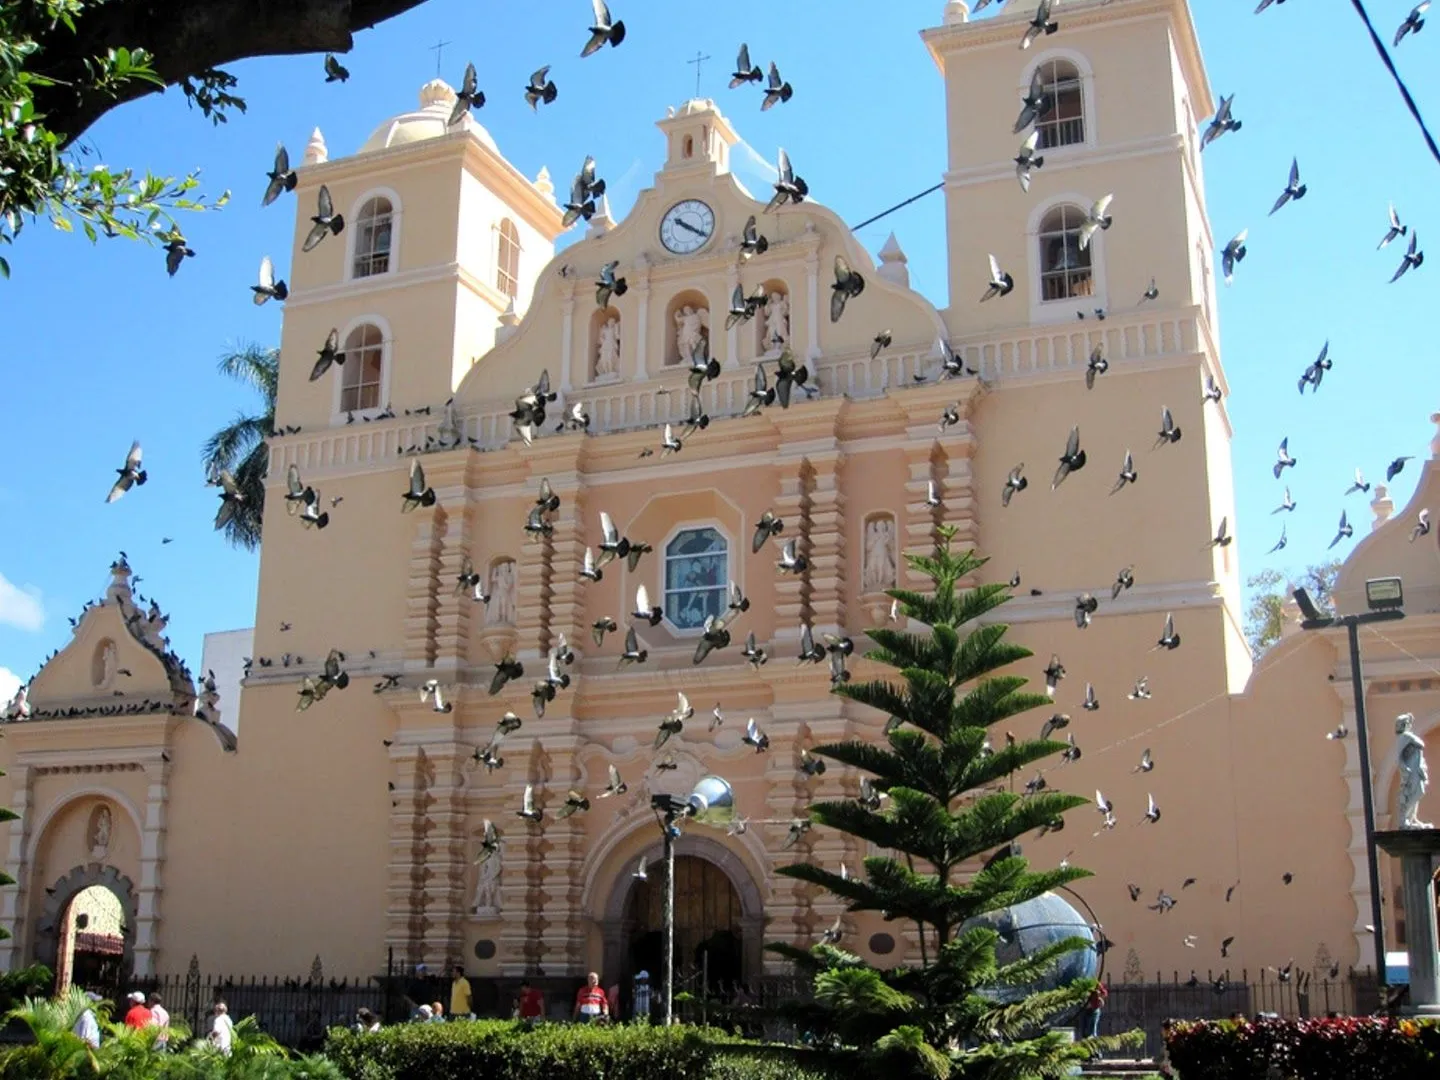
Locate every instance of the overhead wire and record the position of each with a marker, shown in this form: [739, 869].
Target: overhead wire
[1399, 82]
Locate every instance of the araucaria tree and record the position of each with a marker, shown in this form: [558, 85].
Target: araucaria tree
[936, 802]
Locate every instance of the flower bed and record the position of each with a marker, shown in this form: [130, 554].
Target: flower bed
[1345, 1048]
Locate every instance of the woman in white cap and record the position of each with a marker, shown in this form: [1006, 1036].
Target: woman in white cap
[222, 1029]
[87, 1028]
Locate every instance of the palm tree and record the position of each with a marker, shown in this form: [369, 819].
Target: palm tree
[57, 1053]
[240, 448]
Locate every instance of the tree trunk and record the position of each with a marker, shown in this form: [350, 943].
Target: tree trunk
[186, 37]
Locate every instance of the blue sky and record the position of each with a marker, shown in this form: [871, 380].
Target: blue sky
[100, 347]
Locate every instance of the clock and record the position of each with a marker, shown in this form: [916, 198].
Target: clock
[687, 227]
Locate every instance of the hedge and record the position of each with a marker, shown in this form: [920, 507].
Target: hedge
[513, 1050]
[1344, 1048]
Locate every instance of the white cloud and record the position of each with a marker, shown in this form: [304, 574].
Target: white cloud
[20, 607]
[9, 683]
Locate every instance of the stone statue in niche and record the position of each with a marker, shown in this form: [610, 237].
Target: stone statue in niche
[692, 330]
[100, 826]
[107, 663]
[879, 568]
[777, 320]
[607, 351]
[449, 434]
[501, 610]
[486, 900]
[1414, 776]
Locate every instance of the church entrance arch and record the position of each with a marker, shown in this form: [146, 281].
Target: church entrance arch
[86, 929]
[719, 918]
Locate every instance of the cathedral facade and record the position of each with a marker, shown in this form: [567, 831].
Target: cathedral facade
[353, 829]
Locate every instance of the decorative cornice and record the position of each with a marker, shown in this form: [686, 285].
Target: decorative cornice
[997, 171]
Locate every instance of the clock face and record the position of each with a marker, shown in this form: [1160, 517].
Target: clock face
[687, 226]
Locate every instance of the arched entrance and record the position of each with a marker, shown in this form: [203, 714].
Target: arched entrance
[86, 929]
[719, 916]
[708, 924]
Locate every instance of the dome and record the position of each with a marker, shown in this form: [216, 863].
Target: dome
[437, 98]
[1026, 928]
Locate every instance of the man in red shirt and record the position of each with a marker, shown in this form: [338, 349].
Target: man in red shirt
[591, 1004]
[138, 1016]
[531, 1003]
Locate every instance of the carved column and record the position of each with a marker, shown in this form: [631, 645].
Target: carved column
[827, 529]
[812, 304]
[445, 857]
[561, 885]
[152, 857]
[786, 800]
[532, 595]
[954, 465]
[732, 334]
[789, 588]
[13, 900]
[567, 342]
[452, 614]
[411, 924]
[421, 601]
[641, 333]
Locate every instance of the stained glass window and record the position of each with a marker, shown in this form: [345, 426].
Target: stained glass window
[696, 577]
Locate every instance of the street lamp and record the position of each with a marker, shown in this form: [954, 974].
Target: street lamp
[711, 802]
[1384, 597]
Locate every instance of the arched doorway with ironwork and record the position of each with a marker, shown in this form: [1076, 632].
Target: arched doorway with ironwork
[86, 929]
[719, 919]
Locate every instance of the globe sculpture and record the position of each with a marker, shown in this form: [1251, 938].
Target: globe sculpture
[1029, 927]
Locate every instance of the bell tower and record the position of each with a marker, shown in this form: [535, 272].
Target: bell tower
[697, 139]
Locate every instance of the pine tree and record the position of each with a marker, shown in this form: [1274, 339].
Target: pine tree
[937, 803]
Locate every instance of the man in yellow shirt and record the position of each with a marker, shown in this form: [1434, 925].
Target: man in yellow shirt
[460, 998]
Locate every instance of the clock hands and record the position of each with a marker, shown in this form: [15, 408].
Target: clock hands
[682, 223]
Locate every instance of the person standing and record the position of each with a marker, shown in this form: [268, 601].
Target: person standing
[461, 999]
[613, 997]
[138, 1016]
[1090, 1014]
[160, 1018]
[642, 996]
[530, 1005]
[591, 1004]
[222, 1029]
[87, 1028]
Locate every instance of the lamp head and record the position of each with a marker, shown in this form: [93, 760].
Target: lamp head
[712, 802]
[1307, 606]
[1384, 593]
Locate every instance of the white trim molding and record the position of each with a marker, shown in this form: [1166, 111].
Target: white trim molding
[353, 233]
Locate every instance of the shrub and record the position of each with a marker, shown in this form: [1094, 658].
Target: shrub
[1347, 1048]
[512, 1050]
[28, 982]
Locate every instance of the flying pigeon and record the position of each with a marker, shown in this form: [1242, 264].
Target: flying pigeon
[753, 653]
[1345, 531]
[1422, 525]
[1412, 258]
[1294, 189]
[1287, 504]
[848, 285]
[1141, 690]
[1413, 22]
[1096, 219]
[1096, 365]
[1283, 460]
[1040, 24]
[1222, 534]
[130, 475]
[267, 287]
[1396, 229]
[1151, 293]
[1128, 475]
[1395, 467]
[325, 222]
[527, 806]
[777, 91]
[600, 627]
[584, 190]
[751, 242]
[603, 29]
[1125, 579]
[328, 354]
[1014, 482]
[334, 70]
[1000, 282]
[1036, 103]
[418, 493]
[230, 498]
[1222, 123]
[466, 98]
[755, 737]
[540, 89]
[1360, 484]
[609, 285]
[1279, 544]
[1147, 762]
[745, 71]
[1169, 639]
[643, 609]
[788, 186]
[769, 525]
[1091, 702]
[1233, 253]
[176, 250]
[616, 786]
[1169, 433]
[1071, 461]
[1027, 160]
[282, 177]
[791, 562]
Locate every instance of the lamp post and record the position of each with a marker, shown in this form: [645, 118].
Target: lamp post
[1384, 598]
[711, 802]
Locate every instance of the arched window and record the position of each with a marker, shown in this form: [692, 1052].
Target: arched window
[688, 147]
[364, 365]
[697, 577]
[373, 229]
[1064, 124]
[1064, 266]
[507, 261]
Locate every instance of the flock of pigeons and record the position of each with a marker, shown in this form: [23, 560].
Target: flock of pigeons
[529, 419]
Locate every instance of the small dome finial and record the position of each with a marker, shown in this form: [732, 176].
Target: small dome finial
[436, 92]
[543, 183]
[893, 262]
[1382, 506]
[316, 152]
[956, 11]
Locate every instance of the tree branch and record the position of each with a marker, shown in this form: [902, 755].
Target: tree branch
[186, 37]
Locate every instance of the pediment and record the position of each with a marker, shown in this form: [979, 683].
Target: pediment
[116, 663]
[1389, 552]
[560, 330]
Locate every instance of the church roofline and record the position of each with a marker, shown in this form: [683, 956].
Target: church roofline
[1003, 28]
[513, 186]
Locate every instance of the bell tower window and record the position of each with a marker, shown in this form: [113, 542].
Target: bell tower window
[374, 229]
[1065, 270]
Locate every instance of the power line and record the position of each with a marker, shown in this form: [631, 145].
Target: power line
[897, 206]
[1404, 90]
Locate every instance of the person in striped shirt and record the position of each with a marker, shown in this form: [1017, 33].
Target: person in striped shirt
[591, 1004]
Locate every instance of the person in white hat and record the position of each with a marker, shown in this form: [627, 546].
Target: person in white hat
[642, 996]
[87, 1028]
[138, 1015]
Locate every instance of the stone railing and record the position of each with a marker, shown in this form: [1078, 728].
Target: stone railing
[626, 406]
